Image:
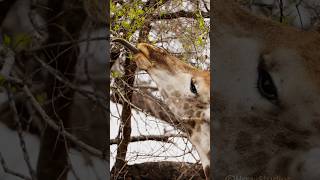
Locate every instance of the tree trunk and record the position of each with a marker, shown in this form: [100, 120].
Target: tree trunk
[65, 20]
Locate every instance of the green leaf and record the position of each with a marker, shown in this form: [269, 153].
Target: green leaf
[200, 41]
[115, 74]
[125, 24]
[13, 89]
[22, 40]
[140, 11]
[120, 12]
[2, 80]
[161, 14]
[41, 98]
[6, 40]
[130, 56]
[113, 7]
[129, 34]
[201, 23]
[116, 27]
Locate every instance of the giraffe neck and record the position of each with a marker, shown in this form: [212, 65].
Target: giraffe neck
[195, 116]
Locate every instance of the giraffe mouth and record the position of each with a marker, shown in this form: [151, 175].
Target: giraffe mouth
[159, 58]
[148, 57]
[141, 54]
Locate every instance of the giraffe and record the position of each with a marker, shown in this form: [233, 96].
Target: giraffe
[266, 98]
[184, 89]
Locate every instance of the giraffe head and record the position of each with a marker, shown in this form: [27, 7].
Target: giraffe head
[175, 79]
[267, 97]
[185, 90]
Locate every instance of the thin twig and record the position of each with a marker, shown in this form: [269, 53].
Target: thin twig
[162, 138]
[9, 171]
[281, 10]
[20, 134]
[76, 42]
[299, 14]
[53, 125]
[89, 94]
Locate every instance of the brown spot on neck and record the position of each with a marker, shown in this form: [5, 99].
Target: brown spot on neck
[190, 126]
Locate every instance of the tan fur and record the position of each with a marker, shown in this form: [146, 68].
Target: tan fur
[272, 33]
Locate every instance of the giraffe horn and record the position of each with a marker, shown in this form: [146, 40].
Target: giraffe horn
[126, 44]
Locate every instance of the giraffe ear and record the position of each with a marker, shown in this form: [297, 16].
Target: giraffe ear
[141, 61]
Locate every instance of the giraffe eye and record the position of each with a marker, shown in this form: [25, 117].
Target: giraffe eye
[266, 85]
[193, 87]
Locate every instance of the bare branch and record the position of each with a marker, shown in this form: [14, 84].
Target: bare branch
[152, 106]
[20, 134]
[125, 129]
[179, 14]
[162, 138]
[53, 125]
[74, 42]
[9, 171]
[89, 94]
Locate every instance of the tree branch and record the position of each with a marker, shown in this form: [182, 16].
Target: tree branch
[179, 14]
[162, 138]
[9, 171]
[125, 127]
[20, 134]
[150, 105]
[62, 131]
